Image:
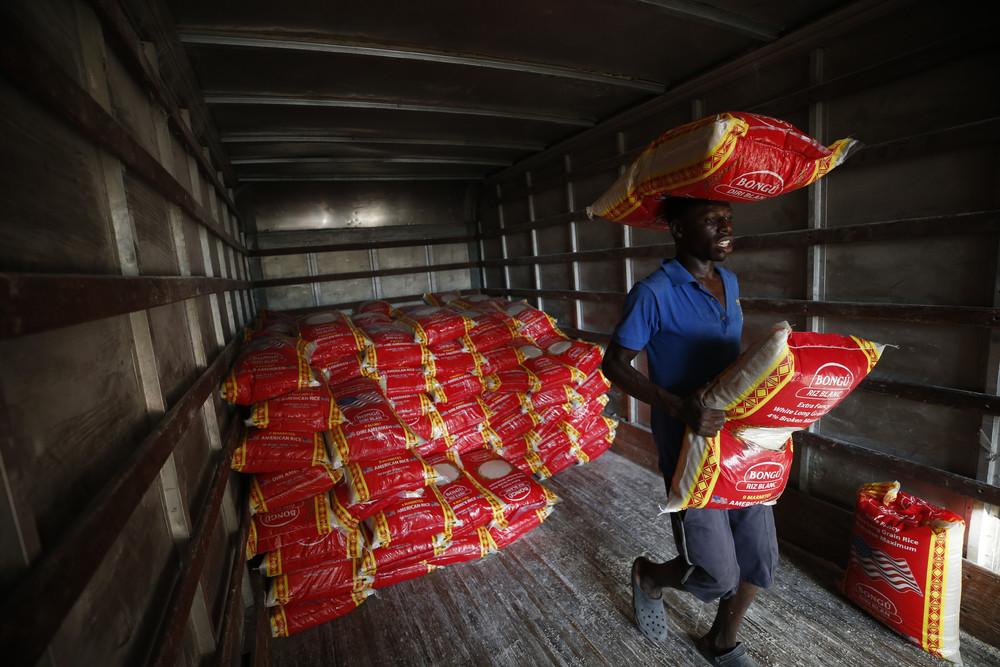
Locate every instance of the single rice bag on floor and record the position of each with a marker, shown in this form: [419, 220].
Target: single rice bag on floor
[272, 450]
[905, 567]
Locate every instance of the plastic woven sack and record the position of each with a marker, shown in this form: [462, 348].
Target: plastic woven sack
[732, 156]
[906, 566]
[781, 384]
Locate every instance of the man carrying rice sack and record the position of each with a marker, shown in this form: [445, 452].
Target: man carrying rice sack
[687, 317]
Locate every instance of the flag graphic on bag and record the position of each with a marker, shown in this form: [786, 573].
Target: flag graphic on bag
[879, 565]
[905, 566]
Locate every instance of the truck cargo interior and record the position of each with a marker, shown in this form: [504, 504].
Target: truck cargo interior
[173, 170]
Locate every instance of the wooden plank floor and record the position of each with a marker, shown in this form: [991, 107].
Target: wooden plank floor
[560, 596]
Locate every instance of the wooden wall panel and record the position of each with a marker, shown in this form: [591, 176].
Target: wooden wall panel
[111, 623]
[42, 204]
[172, 346]
[66, 436]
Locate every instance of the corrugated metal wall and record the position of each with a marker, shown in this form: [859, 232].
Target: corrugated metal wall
[899, 245]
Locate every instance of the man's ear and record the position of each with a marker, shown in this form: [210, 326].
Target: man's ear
[675, 228]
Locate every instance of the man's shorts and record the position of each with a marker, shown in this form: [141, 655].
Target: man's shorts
[725, 547]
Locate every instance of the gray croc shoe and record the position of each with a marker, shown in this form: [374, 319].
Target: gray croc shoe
[649, 613]
[737, 657]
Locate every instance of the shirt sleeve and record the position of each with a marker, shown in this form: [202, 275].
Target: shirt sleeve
[640, 319]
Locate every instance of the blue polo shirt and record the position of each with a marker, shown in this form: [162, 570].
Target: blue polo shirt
[688, 336]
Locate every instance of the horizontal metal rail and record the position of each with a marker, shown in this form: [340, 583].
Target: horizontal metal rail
[35, 302]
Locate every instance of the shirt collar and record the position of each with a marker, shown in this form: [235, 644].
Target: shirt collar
[676, 272]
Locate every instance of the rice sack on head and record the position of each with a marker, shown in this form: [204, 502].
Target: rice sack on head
[906, 566]
[733, 156]
[780, 384]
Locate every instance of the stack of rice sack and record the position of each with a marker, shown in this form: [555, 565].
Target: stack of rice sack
[389, 443]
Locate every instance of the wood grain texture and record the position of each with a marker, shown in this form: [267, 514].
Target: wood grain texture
[560, 596]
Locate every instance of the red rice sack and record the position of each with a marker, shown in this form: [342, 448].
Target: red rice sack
[585, 357]
[520, 525]
[501, 405]
[508, 489]
[433, 324]
[334, 334]
[459, 362]
[309, 409]
[515, 425]
[562, 395]
[376, 306]
[269, 491]
[371, 428]
[269, 367]
[457, 388]
[551, 372]
[393, 343]
[733, 156]
[470, 546]
[376, 478]
[398, 382]
[338, 545]
[532, 323]
[462, 415]
[402, 572]
[270, 323]
[346, 368]
[427, 427]
[413, 405]
[289, 619]
[505, 358]
[441, 298]
[597, 440]
[471, 507]
[349, 517]
[781, 384]
[326, 580]
[489, 333]
[304, 520]
[271, 450]
[906, 567]
[517, 380]
[594, 385]
[412, 520]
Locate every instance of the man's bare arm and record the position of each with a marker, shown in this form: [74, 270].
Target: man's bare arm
[618, 368]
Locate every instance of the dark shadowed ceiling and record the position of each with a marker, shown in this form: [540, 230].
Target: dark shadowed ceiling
[331, 90]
